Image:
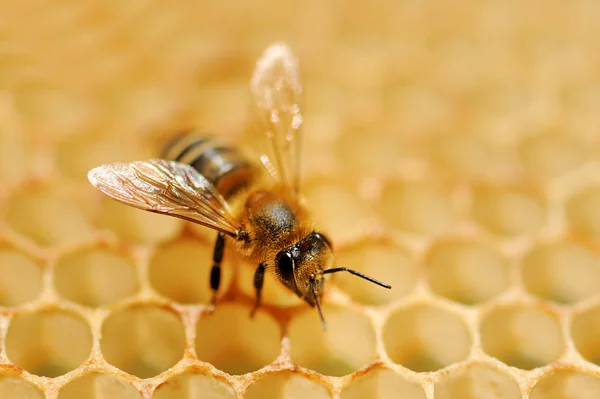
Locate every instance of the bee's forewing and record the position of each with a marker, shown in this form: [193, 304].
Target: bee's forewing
[166, 187]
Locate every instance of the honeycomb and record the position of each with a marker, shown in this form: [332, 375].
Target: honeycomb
[451, 150]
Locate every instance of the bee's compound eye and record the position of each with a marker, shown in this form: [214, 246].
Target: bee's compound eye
[323, 238]
[285, 263]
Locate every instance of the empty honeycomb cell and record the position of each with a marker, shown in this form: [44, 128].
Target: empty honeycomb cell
[477, 381]
[20, 278]
[191, 385]
[48, 343]
[318, 162]
[286, 385]
[95, 276]
[585, 329]
[562, 272]
[235, 343]
[274, 293]
[180, 270]
[213, 107]
[361, 155]
[137, 226]
[522, 336]
[567, 384]
[417, 207]
[44, 103]
[382, 383]
[550, 155]
[99, 386]
[333, 352]
[466, 272]
[464, 156]
[383, 261]
[508, 212]
[146, 105]
[14, 155]
[48, 218]
[143, 340]
[18, 388]
[583, 212]
[426, 338]
[339, 213]
[417, 110]
[78, 154]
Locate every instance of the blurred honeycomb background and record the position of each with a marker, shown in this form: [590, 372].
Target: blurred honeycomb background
[451, 150]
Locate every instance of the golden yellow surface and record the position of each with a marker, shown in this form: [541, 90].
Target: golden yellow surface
[451, 149]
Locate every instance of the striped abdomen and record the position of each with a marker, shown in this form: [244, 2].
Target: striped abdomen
[223, 166]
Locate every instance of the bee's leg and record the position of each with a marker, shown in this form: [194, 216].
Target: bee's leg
[215, 271]
[259, 277]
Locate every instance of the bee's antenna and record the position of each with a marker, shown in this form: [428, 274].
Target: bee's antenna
[345, 269]
[314, 290]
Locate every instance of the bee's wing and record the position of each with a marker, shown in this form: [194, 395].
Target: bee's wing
[166, 187]
[276, 89]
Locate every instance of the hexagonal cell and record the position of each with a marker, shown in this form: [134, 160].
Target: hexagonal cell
[320, 160]
[190, 384]
[285, 385]
[95, 276]
[382, 383]
[14, 154]
[550, 155]
[144, 340]
[417, 207]
[48, 343]
[584, 330]
[138, 226]
[212, 101]
[583, 213]
[180, 270]
[466, 272]
[477, 381]
[362, 155]
[468, 157]
[20, 278]
[77, 155]
[426, 338]
[248, 344]
[274, 293]
[567, 384]
[333, 352]
[381, 260]
[508, 212]
[52, 110]
[48, 218]
[331, 206]
[562, 272]
[522, 336]
[99, 386]
[16, 387]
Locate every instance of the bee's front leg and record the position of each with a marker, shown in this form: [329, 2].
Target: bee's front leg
[215, 271]
[259, 277]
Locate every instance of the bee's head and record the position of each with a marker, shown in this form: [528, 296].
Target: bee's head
[301, 267]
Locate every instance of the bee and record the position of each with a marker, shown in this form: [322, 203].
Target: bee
[257, 208]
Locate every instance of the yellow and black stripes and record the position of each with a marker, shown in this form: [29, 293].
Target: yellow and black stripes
[223, 166]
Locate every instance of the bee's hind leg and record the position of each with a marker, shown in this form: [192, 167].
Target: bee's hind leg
[215, 271]
[259, 277]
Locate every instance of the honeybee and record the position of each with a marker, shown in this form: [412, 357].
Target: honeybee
[204, 182]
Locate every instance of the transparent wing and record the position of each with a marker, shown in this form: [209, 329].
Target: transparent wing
[166, 187]
[276, 89]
